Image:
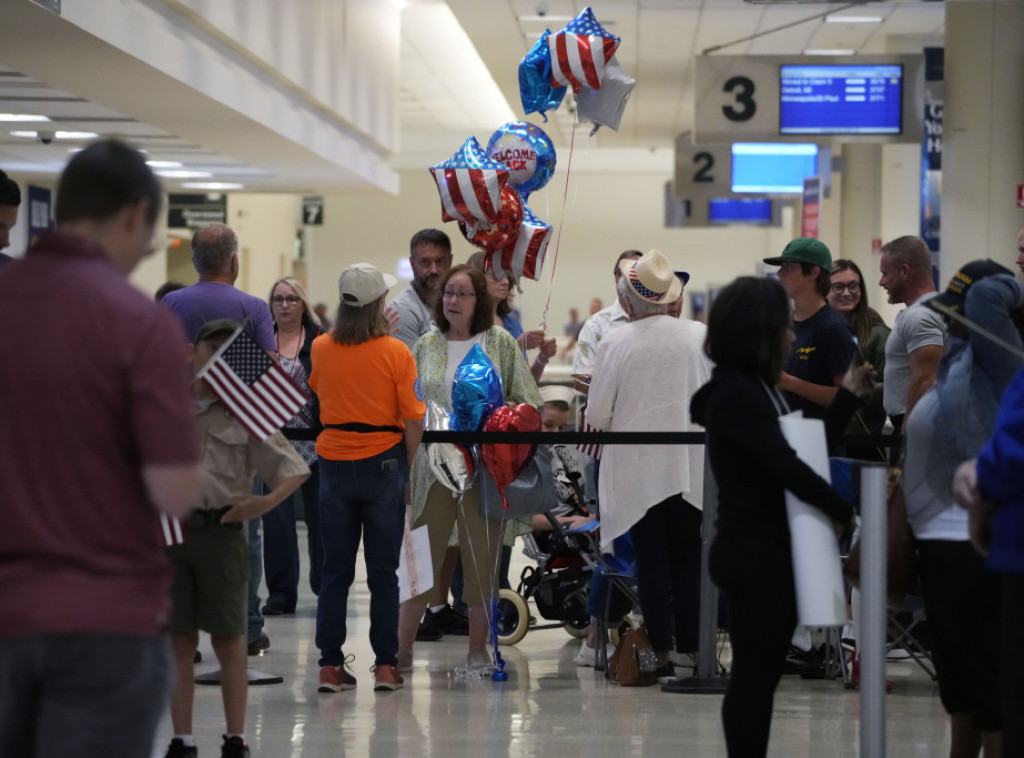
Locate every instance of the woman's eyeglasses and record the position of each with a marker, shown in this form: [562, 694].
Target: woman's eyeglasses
[282, 299]
[838, 287]
[459, 295]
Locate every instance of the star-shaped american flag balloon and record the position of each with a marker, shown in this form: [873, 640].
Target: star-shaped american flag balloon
[470, 184]
[580, 51]
[526, 257]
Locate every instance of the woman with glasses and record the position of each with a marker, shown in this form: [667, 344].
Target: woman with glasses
[295, 327]
[500, 290]
[463, 318]
[849, 299]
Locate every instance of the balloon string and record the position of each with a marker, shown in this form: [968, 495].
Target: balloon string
[558, 238]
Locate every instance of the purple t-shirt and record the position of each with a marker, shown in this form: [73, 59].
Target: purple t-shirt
[206, 301]
[94, 388]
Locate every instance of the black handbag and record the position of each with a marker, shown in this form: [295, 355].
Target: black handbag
[531, 493]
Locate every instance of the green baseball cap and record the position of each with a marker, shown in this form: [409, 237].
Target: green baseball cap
[804, 250]
[215, 327]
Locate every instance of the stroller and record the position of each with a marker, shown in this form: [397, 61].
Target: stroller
[566, 559]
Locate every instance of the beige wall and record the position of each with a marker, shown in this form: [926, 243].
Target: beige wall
[604, 215]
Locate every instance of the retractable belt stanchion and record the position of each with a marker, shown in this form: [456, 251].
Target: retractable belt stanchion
[872, 623]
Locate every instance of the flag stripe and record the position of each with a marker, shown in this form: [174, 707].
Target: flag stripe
[233, 395]
[586, 63]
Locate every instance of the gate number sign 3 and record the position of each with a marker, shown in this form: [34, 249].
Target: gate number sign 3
[742, 89]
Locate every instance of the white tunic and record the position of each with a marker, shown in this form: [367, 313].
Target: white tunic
[644, 376]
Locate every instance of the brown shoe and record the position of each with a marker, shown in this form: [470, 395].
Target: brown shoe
[336, 678]
[386, 677]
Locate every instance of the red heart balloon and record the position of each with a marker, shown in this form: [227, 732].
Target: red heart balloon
[504, 461]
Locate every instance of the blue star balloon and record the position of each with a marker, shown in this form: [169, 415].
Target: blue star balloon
[476, 391]
[535, 88]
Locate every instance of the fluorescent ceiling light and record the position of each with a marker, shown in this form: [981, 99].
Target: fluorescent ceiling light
[836, 19]
[828, 51]
[186, 174]
[57, 135]
[23, 117]
[212, 185]
[164, 164]
[76, 135]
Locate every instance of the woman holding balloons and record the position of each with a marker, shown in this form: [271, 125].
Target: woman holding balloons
[464, 319]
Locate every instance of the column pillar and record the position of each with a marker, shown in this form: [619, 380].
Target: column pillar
[983, 132]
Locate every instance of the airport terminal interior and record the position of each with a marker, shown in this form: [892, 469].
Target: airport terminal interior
[310, 127]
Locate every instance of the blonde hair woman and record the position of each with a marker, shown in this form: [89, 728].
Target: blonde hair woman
[295, 328]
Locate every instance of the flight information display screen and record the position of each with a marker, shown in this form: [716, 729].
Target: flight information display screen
[840, 99]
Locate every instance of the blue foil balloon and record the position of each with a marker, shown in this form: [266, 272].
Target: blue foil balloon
[535, 88]
[476, 391]
[527, 151]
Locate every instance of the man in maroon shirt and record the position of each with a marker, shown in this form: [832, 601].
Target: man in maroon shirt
[98, 438]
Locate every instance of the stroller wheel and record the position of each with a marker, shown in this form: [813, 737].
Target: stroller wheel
[577, 628]
[514, 617]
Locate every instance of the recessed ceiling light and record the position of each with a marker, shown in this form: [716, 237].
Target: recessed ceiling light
[164, 164]
[23, 117]
[828, 51]
[836, 19]
[186, 174]
[212, 185]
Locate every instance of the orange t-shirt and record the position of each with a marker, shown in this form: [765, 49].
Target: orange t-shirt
[373, 383]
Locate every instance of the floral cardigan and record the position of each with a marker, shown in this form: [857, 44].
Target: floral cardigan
[431, 354]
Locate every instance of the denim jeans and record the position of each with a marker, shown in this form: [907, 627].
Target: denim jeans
[281, 544]
[364, 497]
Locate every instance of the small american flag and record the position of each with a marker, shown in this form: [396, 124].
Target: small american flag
[252, 387]
[174, 532]
[589, 448]
[470, 184]
[580, 51]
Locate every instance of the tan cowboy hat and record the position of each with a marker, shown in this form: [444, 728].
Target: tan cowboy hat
[652, 278]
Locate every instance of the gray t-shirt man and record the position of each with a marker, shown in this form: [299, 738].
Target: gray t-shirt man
[916, 326]
[414, 317]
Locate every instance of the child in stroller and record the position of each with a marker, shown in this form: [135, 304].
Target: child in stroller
[564, 545]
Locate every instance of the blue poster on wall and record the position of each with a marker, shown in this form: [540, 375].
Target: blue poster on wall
[931, 153]
[40, 212]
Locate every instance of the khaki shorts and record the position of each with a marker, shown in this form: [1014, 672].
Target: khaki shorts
[479, 542]
[210, 590]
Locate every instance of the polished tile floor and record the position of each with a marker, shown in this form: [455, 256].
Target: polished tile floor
[548, 706]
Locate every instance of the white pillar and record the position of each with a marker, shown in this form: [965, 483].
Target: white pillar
[983, 132]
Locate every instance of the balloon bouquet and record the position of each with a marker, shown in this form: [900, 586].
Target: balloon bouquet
[485, 192]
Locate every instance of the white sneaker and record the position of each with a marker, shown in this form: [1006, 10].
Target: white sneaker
[897, 654]
[683, 660]
[587, 656]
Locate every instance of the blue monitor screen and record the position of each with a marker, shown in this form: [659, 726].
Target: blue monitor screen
[726, 210]
[841, 99]
[768, 167]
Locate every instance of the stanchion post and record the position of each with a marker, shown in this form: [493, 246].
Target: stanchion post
[872, 624]
[707, 659]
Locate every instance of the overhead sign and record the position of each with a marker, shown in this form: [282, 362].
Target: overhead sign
[313, 210]
[737, 98]
[190, 211]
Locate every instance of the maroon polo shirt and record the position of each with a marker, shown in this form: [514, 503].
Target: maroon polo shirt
[93, 385]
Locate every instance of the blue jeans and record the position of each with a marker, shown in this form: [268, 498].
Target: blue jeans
[281, 544]
[364, 497]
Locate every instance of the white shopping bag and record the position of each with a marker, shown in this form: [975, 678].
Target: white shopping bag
[817, 569]
[415, 569]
